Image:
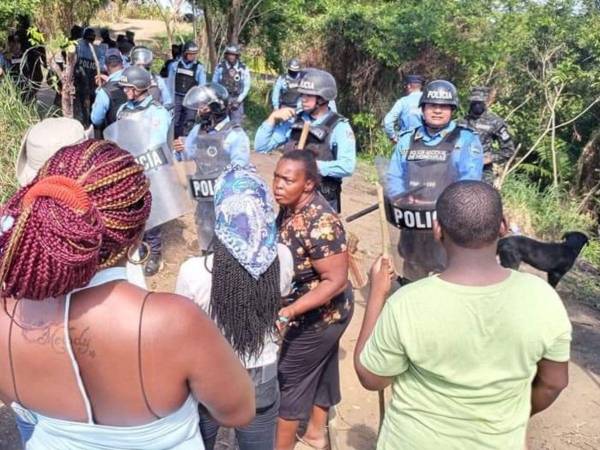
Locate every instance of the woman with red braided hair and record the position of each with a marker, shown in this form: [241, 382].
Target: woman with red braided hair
[88, 360]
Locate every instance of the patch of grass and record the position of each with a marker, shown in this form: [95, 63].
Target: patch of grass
[15, 118]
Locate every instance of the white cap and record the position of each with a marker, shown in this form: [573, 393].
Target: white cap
[42, 141]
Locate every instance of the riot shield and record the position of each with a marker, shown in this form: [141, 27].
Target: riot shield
[169, 197]
[410, 213]
[210, 159]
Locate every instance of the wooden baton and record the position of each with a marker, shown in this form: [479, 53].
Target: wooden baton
[303, 135]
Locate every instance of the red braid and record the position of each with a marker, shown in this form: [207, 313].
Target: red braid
[86, 207]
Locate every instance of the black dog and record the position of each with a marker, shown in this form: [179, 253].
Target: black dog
[554, 258]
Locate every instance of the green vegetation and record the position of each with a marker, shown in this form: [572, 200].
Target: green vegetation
[257, 106]
[541, 58]
[15, 118]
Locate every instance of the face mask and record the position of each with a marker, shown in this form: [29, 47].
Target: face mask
[477, 108]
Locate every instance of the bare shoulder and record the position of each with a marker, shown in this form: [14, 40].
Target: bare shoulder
[166, 310]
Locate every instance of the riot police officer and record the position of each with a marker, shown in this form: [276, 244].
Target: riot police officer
[406, 112]
[110, 96]
[235, 76]
[490, 127]
[85, 73]
[425, 161]
[184, 74]
[285, 90]
[213, 143]
[142, 56]
[136, 82]
[330, 136]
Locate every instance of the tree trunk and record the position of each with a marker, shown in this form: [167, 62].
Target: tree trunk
[68, 89]
[210, 38]
[233, 22]
[588, 166]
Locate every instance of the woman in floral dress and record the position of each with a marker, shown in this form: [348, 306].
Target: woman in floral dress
[317, 312]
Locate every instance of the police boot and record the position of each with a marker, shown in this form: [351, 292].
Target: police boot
[154, 265]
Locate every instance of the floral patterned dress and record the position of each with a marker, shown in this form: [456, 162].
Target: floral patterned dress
[313, 233]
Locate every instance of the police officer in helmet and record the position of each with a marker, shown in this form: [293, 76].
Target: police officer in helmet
[136, 82]
[110, 96]
[406, 112]
[425, 161]
[490, 128]
[143, 57]
[185, 73]
[214, 142]
[285, 91]
[235, 76]
[330, 136]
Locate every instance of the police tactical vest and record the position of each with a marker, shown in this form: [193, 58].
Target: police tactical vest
[185, 79]
[211, 159]
[290, 94]
[429, 170]
[318, 142]
[116, 98]
[154, 90]
[231, 77]
[137, 111]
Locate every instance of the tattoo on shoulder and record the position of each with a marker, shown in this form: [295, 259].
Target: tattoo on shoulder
[52, 335]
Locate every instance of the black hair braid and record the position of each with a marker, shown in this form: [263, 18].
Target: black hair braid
[244, 308]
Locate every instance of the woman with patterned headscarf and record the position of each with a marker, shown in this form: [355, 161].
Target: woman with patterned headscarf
[240, 284]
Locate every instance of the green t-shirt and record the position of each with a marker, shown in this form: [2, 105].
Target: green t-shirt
[463, 359]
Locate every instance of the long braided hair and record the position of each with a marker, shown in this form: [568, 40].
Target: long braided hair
[244, 308]
[82, 212]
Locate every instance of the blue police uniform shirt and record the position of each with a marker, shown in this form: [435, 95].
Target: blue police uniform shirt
[200, 73]
[165, 92]
[218, 76]
[236, 144]
[279, 88]
[406, 114]
[83, 50]
[467, 156]
[102, 102]
[160, 117]
[342, 137]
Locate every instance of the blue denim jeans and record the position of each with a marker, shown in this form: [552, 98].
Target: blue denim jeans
[154, 239]
[258, 435]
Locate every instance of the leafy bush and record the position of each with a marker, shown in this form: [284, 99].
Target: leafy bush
[371, 141]
[15, 118]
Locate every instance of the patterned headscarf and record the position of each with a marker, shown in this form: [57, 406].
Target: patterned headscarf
[245, 218]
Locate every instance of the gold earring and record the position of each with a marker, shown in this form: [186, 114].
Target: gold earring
[141, 260]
